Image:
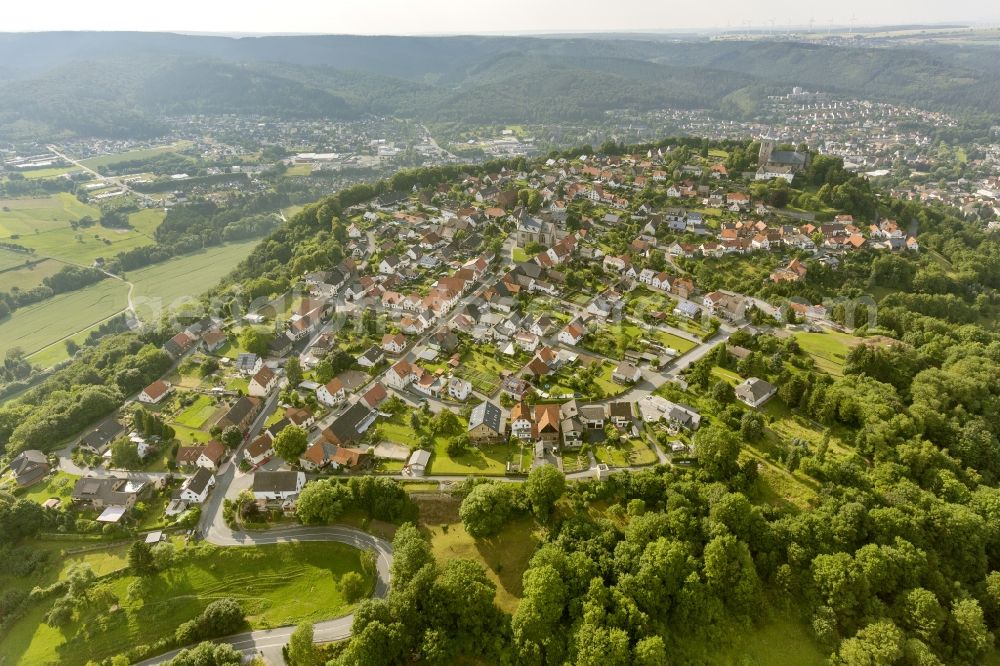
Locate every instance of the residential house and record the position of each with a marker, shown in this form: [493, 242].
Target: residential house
[570, 424]
[375, 396]
[515, 387]
[99, 438]
[351, 425]
[278, 485]
[332, 393]
[592, 417]
[626, 373]
[418, 462]
[155, 392]
[260, 450]
[620, 414]
[301, 417]
[546, 424]
[459, 388]
[29, 467]
[249, 364]
[573, 333]
[241, 414]
[213, 341]
[371, 358]
[177, 345]
[795, 271]
[755, 392]
[196, 487]
[107, 492]
[401, 375]
[394, 344]
[727, 304]
[486, 423]
[208, 456]
[263, 383]
[521, 423]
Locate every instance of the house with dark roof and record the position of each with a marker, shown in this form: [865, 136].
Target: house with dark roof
[486, 423]
[277, 485]
[196, 487]
[107, 492]
[754, 392]
[29, 467]
[99, 439]
[241, 414]
[351, 425]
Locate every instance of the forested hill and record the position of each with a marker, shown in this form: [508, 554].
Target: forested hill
[122, 83]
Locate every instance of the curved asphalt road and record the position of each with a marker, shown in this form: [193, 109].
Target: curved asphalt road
[270, 641]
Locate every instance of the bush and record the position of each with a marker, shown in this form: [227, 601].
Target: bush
[352, 585]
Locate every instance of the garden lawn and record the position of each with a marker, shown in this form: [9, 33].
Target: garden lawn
[276, 585]
[37, 326]
[682, 345]
[165, 286]
[482, 370]
[632, 453]
[828, 350]
[197, 413]
[487, 460]
[58, 485]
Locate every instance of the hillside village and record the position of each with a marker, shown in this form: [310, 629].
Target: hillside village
[514, 300]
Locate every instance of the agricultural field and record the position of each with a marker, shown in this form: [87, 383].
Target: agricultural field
[828, 350]
[11, 259]
[29, 216]
[28, 277]
[37, 326]
[276, 585]
[51, 172]
[169, 284]
[55, 238]
[54, 353]
[133, 155]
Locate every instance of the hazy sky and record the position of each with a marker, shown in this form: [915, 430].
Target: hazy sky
[450, 16]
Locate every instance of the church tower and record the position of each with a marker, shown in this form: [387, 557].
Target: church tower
[766, 148]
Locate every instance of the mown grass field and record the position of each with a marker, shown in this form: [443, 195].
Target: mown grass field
[168, 285]
[133, 155]
[276, 585]
[828, 350]
[27, 216]
[37, 326]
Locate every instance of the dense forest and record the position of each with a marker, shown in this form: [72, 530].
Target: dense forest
[122, 85]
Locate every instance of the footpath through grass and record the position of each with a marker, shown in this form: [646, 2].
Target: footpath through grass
[276, 584]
